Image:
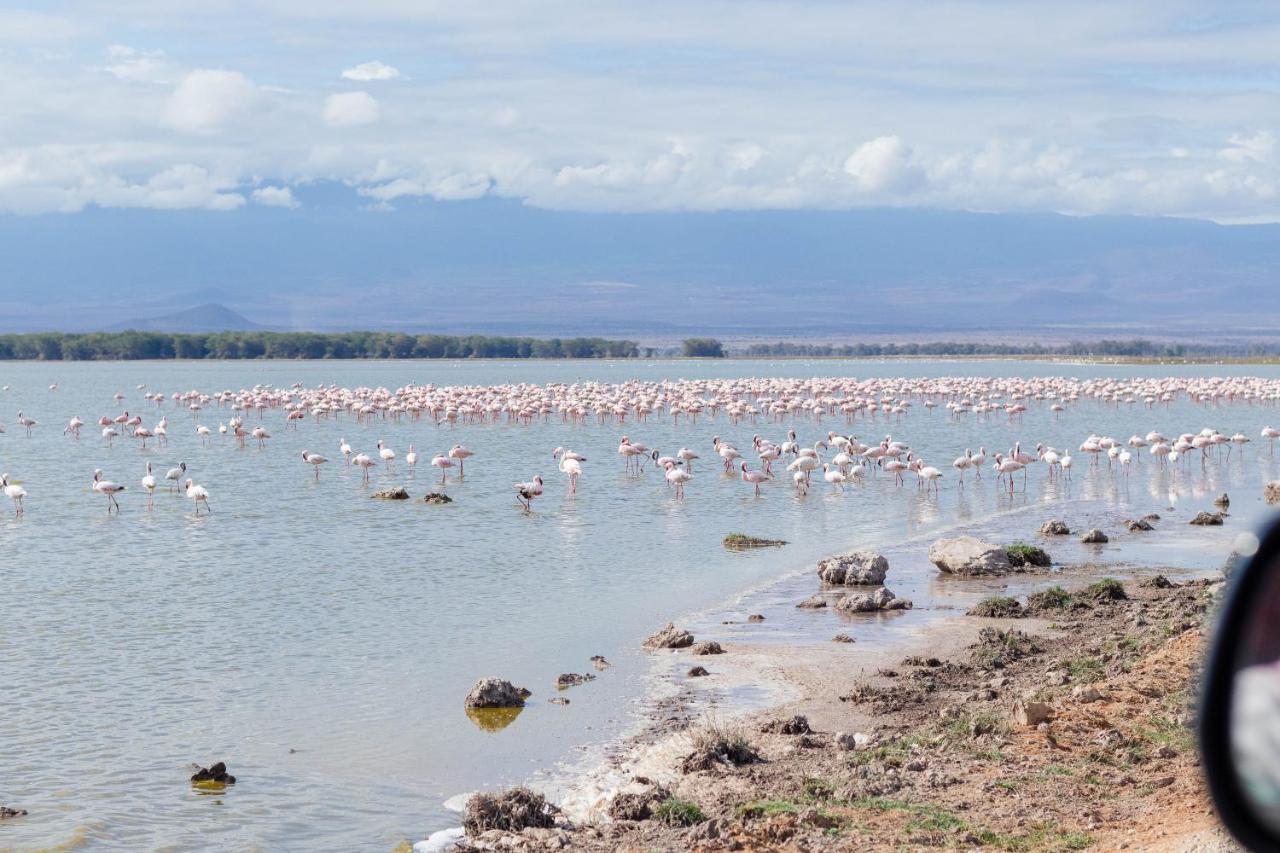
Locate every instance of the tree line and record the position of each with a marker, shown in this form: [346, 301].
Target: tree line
[133, 345]
[1137, 348]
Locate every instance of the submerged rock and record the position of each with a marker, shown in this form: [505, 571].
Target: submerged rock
[755, 617]
[742, 540]
[1135, 525]
[1094, 537]
[1055, 527]
[670, 637]
[6, 812]
[215, 774]
[397, 494]
[862, 568]
[967, 555]
[1205, 519]
[813, 602]
[707, 647]
[496, 693]
[599, 662]
[573, 679]
[438, 498]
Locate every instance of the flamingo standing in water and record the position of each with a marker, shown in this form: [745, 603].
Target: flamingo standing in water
[571, 463]
[364, 462]
[444, 463]
[27, 422]
[411, 459]
[344, 449]
[386, 453]
[526, 492]
[677, 477]
[199, 495]
[461, 454]
[1269, 433]
[73, 427]
[1006, 468]
[687, 456]
[174, 475]
[315, 460]
[834, 476]
[755, 478]
[108, 488]
[15, 493]
[149, 483]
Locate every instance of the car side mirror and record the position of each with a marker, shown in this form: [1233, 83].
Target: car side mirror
[1239, 724]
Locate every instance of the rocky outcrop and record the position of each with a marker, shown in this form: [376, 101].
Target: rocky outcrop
[216, 774]
[969, 556]
[1135, 525]
[1056, 527]
[868, 602]
[813, 602]
[437, 498]
[856, 568]
[397, 494]
[1094, 537]
[670, 637]
[1207, 519]
[496, 693]
[707, 647]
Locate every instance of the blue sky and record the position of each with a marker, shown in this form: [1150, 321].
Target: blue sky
[1161, 108]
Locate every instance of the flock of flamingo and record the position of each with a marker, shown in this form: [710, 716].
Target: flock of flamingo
[841, 458]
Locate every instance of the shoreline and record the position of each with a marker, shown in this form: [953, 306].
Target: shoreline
[788, 678]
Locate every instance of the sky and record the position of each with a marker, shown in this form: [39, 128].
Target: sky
[1139, 108]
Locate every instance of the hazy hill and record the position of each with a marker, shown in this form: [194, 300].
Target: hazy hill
[202, 318]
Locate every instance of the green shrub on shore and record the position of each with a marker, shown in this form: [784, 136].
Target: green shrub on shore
[742, 540]
[998, 607]
[1053, 598]
[1107, 589]
[676, 812]
[1021, 554]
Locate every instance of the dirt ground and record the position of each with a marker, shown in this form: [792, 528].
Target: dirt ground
[1068, 729]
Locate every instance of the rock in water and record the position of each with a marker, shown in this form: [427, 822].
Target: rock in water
[1207, 519]
[1056, 527]
[438, 498]
[698, 672]
[813, 602]
[1094, 537]
[599, 662]
[863, 568]
[217, 774]
[969, 556]
[397, 494]
[6, 812]
[867, 602]
[496, 693]
[670, 637]
[573, 679]
[1136, 525]
[843, 638]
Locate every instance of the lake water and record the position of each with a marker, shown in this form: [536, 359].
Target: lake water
[321, 642]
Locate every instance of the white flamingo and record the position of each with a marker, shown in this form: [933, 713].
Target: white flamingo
[199, 495]
[15, 493]
[149, 483]
[570, 463]
[526, 492]
[108, 488]
[315, 460]
[755, 478]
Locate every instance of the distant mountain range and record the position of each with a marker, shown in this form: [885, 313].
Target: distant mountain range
[491, 266]
[202, 318]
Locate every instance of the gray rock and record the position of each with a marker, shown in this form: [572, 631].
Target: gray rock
[1135, 525]
[861, 568]
[850, 742]
[1055, 527]
[1031, 713]
[437, 498]
[573, 679]
[813, 602]
[1207, 519]
[1086, 693]
[1094, 537]
[867, 602]
[707, 647]
[969, 556]
[397, 494]
[670, 637]
[496, 693]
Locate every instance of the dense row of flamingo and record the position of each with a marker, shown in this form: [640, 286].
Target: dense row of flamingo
[841, 458]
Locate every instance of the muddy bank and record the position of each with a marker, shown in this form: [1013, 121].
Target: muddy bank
[1068, 728]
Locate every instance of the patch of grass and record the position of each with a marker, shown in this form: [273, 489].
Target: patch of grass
[768, 808]
[926, 817]
[1022, 554]
[676, 812]
[742, 540]
[818, 789]
[1053, 598]
[1058, 770]
[1085, 669]
[1107, 589]
[714, 743]
[997, 607]
[1007, 786]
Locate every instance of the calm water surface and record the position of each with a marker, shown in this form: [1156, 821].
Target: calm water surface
[322, 642]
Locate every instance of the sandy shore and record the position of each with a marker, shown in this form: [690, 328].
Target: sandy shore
[1066, 728]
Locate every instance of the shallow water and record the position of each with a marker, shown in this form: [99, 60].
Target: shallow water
[321, 642]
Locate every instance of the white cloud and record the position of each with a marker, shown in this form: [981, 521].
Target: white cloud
[349, 109]
[138, 66]
[1256, 147]
[374, 70]
[882, 165]
[275, 197]
[207, 100]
